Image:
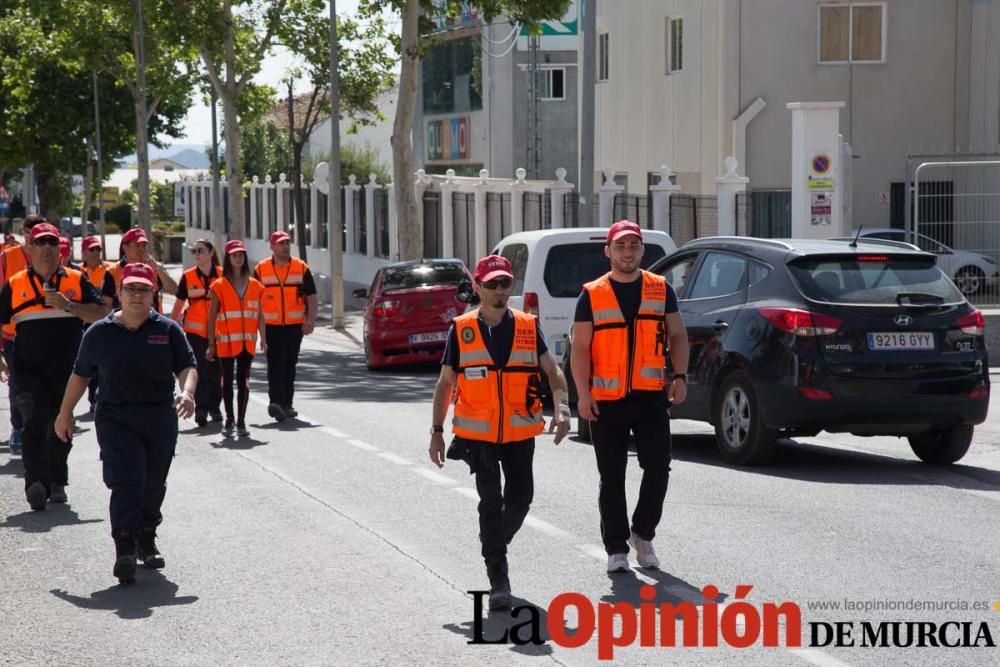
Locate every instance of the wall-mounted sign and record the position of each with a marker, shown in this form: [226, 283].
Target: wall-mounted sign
[820, 164]
[560, 34]
[821, 207]
[448, 139]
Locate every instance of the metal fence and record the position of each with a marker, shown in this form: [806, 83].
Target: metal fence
[693, 216]
[537, 212]
[744, 214]
[636, 208]
[464, 210]
[432, 223]
[497, 217]
[770, 213]
[381, 223]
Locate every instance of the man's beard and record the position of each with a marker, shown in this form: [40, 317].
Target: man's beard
[626, 267]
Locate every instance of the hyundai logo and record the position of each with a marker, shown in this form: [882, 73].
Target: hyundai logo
[903, 320]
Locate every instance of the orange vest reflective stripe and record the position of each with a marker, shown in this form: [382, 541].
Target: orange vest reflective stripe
[27, 296]
[236, 321]
[195, 318]
[284, 302]
[617, 369]
[15, 261]
[491, 404]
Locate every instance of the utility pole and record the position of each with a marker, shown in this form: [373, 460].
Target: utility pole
[534, 137]
[142, 127]
[334, 223]
[100, 168]
[587, 79]
[217, 210]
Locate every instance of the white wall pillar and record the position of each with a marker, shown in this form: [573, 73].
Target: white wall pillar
[557, 196]
[421, 183]
[727, 187]
[481, 239]
[370, 187]
[448, 188]
[606, 198]
[314, 214]
[279, 211]
[349, 214]
[393, 224]
[517, 189]
[662, 192]
[817, 192]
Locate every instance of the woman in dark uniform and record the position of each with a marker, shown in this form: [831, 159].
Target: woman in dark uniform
[136, 353]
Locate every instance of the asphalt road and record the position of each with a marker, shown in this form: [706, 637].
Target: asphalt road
[334, 541]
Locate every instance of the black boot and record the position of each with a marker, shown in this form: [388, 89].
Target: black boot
[499, 585]
[146, 551]
[125, 557]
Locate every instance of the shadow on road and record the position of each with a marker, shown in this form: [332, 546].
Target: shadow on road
[625, 587]
[516, 622]
[53, 516]
[133, 601]
[286, 425]
[12, 467]
[238, 443]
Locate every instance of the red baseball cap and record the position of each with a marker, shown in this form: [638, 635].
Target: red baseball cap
[624, 228]
[91, 242]
[42, 230]
[279, 236]
[64, 247]
[493, 266]
[234, 246]
[137, 272]
[135, 235]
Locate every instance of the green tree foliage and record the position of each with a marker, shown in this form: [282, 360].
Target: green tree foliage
[265, 150]
[354, 159]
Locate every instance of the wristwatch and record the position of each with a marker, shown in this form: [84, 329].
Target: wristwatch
[681, 376]
[437, 428]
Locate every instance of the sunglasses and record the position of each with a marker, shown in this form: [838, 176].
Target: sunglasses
[137, 291]
[198, 251]
[94, 249]
[499, 283]
[45, 240]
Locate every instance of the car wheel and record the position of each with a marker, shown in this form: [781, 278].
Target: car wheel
[969, 280]
[583, 429]
[945, 445]
[740, 433]
[368, 357]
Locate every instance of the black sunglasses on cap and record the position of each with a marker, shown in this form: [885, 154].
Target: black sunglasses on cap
[45, 240]
[497, 283]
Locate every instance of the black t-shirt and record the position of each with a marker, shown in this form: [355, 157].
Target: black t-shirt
[48, 346]
[134, 366]
[499, 340]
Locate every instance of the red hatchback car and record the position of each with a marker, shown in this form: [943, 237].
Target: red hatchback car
[409, 311]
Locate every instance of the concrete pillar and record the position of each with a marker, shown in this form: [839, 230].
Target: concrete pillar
[481, 244]
[661, 199]
[349, 214]
[370, 187]
[817, 192]
[606, 198]
[279, 210]
[517, 189]
[727, 187]
[448, 188]
[557, 195]
[314, 214]
[393, 224]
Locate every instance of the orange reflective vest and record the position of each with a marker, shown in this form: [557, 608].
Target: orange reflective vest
[617, 368]
[15, 260]
[284, 302]
[195, 318]
[96, 275]
[27, 295]
[494, 404]
[236, 321]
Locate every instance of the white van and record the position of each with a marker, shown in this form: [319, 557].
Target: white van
[551, 266]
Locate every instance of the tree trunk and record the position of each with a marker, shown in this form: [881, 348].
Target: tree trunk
[234, 170]
[297, 194]
[411, 234]
[51, 194]
[141, 146]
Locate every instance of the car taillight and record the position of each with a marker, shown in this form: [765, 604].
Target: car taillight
[800, 322]
[386, 308]
[982, 391]
[973, 324]
[531, 303]
[814, 394]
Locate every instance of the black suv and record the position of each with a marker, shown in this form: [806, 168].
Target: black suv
[793, 337]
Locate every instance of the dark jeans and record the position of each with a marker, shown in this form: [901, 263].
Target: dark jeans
[647, 418]
[283, 345]
[208, 395]
[8, 356]
[240, 366]
[501, 512]
[137, 446]
[43, 454]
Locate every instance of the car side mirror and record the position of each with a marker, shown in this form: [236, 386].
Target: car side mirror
[360, 293]
[466, 294]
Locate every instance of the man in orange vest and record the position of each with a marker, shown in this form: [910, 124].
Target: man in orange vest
[46, 303]
[135, 248]
[493, 355]
[290, 308]
[625, 323]
[96, 270]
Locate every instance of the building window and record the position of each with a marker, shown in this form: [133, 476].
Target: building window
[451, 77]
[674, 40]
[852, 33]
[552, 83]
[603, 47]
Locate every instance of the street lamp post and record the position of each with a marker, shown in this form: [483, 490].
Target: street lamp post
[335, 235]
[101, 227]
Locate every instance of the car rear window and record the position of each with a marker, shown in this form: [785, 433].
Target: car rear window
[422, 275]
[878, 279]
[569, 266]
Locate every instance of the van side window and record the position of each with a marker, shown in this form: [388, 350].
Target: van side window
[517, 253]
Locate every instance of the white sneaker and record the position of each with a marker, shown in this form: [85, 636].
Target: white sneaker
[644, 552]
[618, 563]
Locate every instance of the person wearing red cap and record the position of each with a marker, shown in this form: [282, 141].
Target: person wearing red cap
[97, 271]
[494, 354]
[234, 320]
[135, 248]
[136, 353]
[45, 303]
[290, 308]
[66, 253]
[625, 326]
[194, 291]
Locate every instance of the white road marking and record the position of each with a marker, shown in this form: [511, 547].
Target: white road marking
[334, 432]
[389, 456]
[817, 657]
[434, 476]
[593, 550]
[361, 444]
[546, 527]
[467, 492]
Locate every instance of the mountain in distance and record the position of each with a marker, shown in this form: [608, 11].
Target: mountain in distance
[191, 158]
